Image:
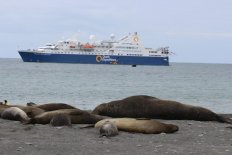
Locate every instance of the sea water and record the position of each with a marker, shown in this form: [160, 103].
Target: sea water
[86, 86]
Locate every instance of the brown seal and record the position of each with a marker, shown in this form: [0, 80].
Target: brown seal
[77, 117]
[61, 120]
[54, 106]
[32, 111]
[14, 113]
[140, 126]
[150, 107]
[108, 129]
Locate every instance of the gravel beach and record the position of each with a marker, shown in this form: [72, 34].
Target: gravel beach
[193, 137]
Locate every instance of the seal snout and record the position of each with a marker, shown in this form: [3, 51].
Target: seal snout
[108, 129]
[172, 128]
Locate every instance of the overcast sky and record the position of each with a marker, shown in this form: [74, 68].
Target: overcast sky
[195, 30]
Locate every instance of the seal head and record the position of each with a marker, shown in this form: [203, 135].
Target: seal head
[108, 129]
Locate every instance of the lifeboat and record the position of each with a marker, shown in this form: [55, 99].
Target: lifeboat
[72, 46]
[87, 46]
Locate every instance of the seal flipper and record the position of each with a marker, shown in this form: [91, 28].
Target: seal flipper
[87, 126]
[224, 119]
[227, 120]
[25, 122]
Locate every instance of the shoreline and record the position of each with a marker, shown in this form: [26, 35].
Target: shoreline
[193, 137]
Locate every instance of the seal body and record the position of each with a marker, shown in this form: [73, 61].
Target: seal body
[61, 120]
[77, 116]
[108, 129]
[4, 106]
[32, 111]
[139, 126]
[14, 113]
[54, 106]
[150, 107]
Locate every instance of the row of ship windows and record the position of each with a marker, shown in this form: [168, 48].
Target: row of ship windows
[152, 51]
[127, 47]
[154, 55]
[134, 54]
[83, 53]
[164, 52]
[126, 50]
[103, 46]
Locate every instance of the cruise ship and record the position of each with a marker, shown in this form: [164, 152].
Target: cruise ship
[125, 51]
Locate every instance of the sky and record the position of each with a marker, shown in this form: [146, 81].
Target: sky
[197, 31]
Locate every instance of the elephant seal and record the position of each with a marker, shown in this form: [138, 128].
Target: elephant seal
[32, 111]
[150, 107]
[146, 126]
[108, 129]
[4, 106]
[54, 106]
[61, 120]
[14, 113]
[77, 117]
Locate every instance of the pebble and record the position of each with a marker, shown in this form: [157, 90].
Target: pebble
[139, 145]
[60, 127]
[159, 146]
[19, 148]
[28, 143]
[105, 142]
[107, 151]
[201, 135]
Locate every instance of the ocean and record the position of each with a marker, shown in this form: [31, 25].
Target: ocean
[86, 86]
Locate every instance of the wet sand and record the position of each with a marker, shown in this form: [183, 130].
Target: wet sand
[193, 137]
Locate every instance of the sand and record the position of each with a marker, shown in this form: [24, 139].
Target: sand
[193, 137]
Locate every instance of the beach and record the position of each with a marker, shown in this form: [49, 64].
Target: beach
[193, 137]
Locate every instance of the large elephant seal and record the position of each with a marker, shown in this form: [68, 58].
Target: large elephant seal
[150, 107]
[77, 117]
[14, 113]
[139, 126]
[108, 129]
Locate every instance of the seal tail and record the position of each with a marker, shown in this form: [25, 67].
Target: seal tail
[29, 121]
[224, 119]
